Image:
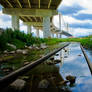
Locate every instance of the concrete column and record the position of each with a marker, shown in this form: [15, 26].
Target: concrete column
[60, 35]
[56, 35]
[15, 22]
[52, 35]
[46, 27]
[28, 29]
[37, 33]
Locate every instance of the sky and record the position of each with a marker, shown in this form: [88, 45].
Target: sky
[76, 13]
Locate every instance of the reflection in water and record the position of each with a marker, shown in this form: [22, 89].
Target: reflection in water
[52, 78]
[75, 65]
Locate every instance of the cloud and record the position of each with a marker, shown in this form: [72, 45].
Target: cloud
[81, 25]
[68, 10]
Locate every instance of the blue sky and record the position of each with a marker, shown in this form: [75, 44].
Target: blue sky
[77, 13]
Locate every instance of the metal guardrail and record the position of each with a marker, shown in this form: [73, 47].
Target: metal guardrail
[5, 81]
[87, 59]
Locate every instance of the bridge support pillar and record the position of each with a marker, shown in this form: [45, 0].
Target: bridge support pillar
[46, 27]
[28, 29]
[15, 22]
[52, 35]
[37, 33]
[56, 35]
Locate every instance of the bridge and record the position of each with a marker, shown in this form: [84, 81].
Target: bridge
[36, 13]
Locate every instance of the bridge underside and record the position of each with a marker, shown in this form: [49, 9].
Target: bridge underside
[37, 13]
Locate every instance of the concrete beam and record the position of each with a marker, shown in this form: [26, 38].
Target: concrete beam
[29, 12]
[33, 23]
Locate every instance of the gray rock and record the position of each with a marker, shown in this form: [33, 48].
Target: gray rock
[22, 51]
[19, 51]
[18, 84]
[5, 52]
[12, 52]
[71, 79]
[11, 45]
[30, 47]
[43, 46]
[25, 63]
[43, 84]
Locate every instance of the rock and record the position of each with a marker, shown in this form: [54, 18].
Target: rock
[5, 52]
[64, 82]
[7, 69]
[52, 58]
[24, 52]
[43, 84]
[25, 78]
[57, 61]
[12, 52]
[11, 45]
[43, 46]
[79, 55]
[18, 84]
[30, 47]
[19, 51]
[57, 55]
[26, 63]
[71, 79]
[37, 48]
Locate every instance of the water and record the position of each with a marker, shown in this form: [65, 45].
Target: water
[75, 64]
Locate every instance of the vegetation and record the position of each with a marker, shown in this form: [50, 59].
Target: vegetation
[17, 38]
[20, 39]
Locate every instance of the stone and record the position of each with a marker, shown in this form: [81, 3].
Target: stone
[57, 55]
[52, 58]
[79, 55]
[43, 46]
[18, 84]
[30, 47]
[19, 51]
[71, 79]
[24, 52]
[12, 52]
[5, 52]
[57, 61]
[26, 63]
[11, 45]
[43, 84]
[25, 78]
[64, 82]
[7, 69]
[37, 48]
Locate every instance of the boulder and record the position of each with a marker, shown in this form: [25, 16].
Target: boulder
[22, 51]
[43, 84]
[52, 58]
[43, 46]
[12, 52]
[26, 63]
[71, 79]
[5, 52]
[19, 51]
[7, 69]
[18, 84]
[30, 47]
[11, 45]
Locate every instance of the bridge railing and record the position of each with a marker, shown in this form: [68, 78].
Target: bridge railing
[5, 81]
